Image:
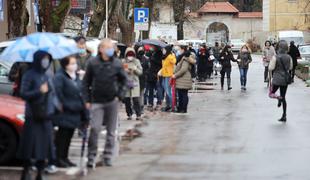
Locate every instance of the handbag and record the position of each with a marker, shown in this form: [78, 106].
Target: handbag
[288, 77]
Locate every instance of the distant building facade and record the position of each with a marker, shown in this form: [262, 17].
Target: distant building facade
[221, 21]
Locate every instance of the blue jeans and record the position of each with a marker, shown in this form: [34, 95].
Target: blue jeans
[160, 91]
[243, 76]
[167, 89]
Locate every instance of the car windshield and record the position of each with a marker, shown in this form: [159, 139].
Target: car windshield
[304, 50]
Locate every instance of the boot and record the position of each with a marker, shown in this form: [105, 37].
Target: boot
[40, 176]
[283, 118]
[26, 174]
[229, 83]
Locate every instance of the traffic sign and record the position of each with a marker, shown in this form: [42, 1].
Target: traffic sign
[141, 19]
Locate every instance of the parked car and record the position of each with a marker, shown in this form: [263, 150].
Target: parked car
[6, 87]
[305, 52]
[236, 44]
[11, 124]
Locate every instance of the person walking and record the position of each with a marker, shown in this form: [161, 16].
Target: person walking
[295, 54]
[226, 57]
[134, 69]
[244, 59]
[280, 66]
[268, 54]
[184, 80]
[68, 88]
[166, 73]
[216, 52]
[36, 141]
[104, 81]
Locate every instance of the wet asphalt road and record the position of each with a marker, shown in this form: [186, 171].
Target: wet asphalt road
[226, 136]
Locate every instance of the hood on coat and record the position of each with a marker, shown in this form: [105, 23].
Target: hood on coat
[130, 50]
[282, 47]
[191, 59]
[37, 58]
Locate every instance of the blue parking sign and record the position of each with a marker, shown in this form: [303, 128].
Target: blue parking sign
[141, 15]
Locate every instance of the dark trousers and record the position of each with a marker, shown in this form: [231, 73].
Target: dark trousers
[62, 142]
[135, 103]
[266, 73]
[283, 90]
[182, 99]
[151, 88]
[293, 72]
[227, 71]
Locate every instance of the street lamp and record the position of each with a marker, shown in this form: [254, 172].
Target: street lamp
[106, 17]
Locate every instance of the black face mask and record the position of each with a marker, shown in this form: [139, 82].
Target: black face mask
[141, 53]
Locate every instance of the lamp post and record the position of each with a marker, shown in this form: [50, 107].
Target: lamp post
[106, 17]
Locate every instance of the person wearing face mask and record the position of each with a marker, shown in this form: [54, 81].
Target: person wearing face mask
[83, 56]
[36, 141]
[226, 57]
[168, 64]
[104, 83]
[134, 69]
[68, 88]
[145, 63]
[244, 59]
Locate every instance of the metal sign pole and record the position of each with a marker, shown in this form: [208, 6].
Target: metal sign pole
[106, 18]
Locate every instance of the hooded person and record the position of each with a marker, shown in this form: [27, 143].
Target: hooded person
[166, 72]
[280, 66]
[183, 78]
[295, 54]
[37, 135]
[134, 70]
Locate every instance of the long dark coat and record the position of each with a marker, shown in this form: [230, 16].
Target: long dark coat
[36, 139]
[69, 92]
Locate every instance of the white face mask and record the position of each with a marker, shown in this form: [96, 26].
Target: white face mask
[244, 50]
[72, 68]
[164, 51]
[45, 63]
[130, 58]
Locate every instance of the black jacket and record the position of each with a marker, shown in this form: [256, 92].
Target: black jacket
[155, 66]
[145, 63]
[294, 53]
[226, 58]
[104, 80]
[69, 93]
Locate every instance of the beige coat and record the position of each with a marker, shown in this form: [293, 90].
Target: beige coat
[135, 70]
[183, 73]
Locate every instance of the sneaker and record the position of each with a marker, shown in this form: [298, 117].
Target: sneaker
[51, 169]
[104, 162]
[90, 163]
[139, 118]
[166, 109]
[62, 164]
[229, 88]
[70, 163]
[107, 162]
[129, 118]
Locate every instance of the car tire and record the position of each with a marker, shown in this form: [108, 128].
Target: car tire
[8, 143]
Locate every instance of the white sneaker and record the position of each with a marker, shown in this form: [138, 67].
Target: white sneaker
[51, 169]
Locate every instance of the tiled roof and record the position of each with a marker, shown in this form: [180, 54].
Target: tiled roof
[218, 7]
[250, 15]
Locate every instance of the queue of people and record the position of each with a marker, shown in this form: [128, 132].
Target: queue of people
[84, 92]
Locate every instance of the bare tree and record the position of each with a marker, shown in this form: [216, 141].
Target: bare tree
[18, 18]
[53, 18]
[178, 9]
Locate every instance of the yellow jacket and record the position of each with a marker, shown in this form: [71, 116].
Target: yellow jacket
[168, 65]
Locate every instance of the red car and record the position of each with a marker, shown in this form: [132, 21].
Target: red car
[11, 124]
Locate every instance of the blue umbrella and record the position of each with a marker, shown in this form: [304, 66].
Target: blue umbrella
[22, 49]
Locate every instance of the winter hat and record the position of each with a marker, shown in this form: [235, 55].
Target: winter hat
[130, 52]
[282, 47]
